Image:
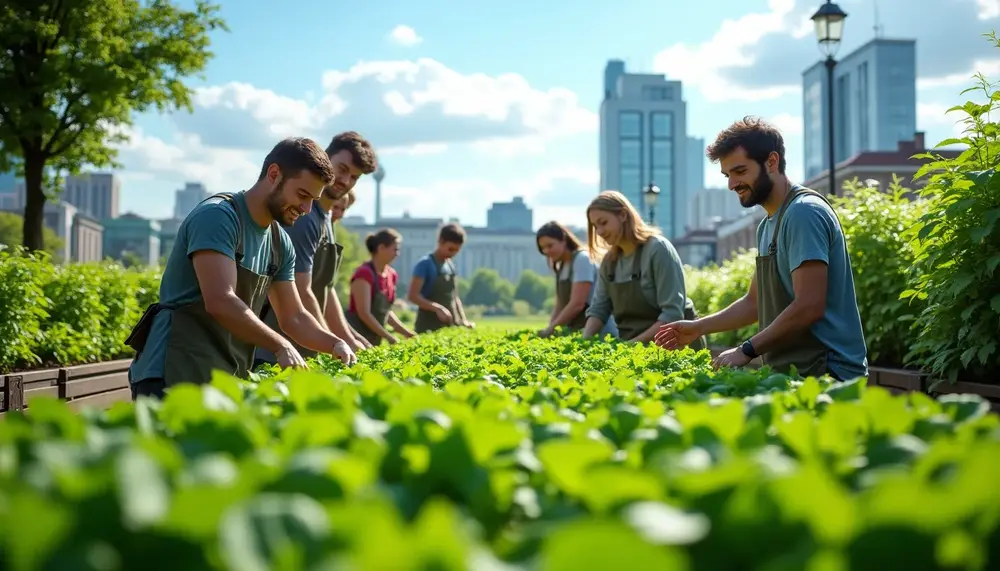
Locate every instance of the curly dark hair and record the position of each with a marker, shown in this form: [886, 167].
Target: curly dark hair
[362, 153]
[757, 137]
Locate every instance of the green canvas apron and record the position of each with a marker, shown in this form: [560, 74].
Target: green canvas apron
[380, 311]
[197, 343]
[326, 262]
[564, 290]
[633, 314]
[805, 351]
[444, 291]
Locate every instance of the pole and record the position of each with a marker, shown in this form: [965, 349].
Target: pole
[830, 64]
[651, 217]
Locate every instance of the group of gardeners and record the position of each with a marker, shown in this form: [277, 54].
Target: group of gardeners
[250, 279]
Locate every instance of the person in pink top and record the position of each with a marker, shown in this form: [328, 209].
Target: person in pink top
[373, 291]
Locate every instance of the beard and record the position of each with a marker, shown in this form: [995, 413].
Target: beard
[760, 191]
[278, 208]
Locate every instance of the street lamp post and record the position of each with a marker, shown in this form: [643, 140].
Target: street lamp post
[829, 21]
[649, 197]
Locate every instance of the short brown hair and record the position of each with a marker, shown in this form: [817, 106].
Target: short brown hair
[296, 154]
[757, 137]
[452, 233]
[362, 153]
[384, 237]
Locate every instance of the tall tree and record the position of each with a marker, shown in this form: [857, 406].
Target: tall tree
[73, 73]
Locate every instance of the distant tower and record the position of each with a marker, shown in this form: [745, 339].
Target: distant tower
[379, 175]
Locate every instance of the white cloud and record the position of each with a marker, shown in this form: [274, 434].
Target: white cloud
[789, 124]
[934, 115]
[404, 36]
[761, 56]
[395, 104]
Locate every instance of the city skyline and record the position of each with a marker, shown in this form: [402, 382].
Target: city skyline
[464, 123]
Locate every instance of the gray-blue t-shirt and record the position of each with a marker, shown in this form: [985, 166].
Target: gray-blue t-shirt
[810, 231]
[306, 234]
[212, 225]
[426, 268]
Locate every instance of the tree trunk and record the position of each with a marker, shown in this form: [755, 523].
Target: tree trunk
[34, 207]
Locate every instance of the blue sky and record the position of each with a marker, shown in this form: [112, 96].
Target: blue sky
[470, 103]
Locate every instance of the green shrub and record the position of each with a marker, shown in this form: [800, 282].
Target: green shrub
[957, 243]
[715, 287]
[53, 315]
[875, 224]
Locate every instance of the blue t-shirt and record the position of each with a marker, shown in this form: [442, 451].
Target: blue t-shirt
[212, 225]
[427, 269]
[810, 231]
[306, 234]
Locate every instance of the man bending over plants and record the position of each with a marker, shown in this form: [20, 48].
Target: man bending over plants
[230, 255]
[802, 294]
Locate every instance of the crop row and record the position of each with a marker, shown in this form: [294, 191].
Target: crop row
[463, 450]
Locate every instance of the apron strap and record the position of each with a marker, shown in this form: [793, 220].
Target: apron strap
[796, 191]
[277, 252]
[228, 197]
[637, 262]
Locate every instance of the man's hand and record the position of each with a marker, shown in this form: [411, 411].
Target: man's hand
[354, 344]
[289, 357]
[734, 357]
[442, 313]
[343, 351]
[469, 324]
[677, 334]
[547, 332]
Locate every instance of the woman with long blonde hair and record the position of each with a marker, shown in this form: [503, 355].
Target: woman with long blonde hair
[640, 280]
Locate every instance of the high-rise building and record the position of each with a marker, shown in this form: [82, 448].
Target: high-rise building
[7, 182]
[94, 194]
[187, 198]
[513, 215]
[875, 103]
[643, 138]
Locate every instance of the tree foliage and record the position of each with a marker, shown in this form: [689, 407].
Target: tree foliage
[73, 73]
[12, 230]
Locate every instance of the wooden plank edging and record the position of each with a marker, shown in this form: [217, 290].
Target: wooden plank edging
[99, 384]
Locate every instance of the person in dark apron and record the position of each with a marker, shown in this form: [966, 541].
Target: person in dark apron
[373, 290]
[802, 292]
[434, 285]
[575, 274]
[230, 254]
[317, 254]
[640, 280]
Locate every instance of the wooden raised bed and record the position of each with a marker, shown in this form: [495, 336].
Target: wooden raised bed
[95, 385]
[898, 381]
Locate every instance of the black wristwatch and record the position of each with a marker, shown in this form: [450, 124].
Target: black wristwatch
[748, 350]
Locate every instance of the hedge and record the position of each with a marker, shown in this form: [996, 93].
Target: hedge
[52, 315]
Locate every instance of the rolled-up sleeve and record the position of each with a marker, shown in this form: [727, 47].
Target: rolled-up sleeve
[668, 278]
[600, 307]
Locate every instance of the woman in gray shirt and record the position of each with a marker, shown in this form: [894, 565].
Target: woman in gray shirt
[640, 280]
[575, 274]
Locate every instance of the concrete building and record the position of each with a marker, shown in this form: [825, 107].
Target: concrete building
[168, 234]
[710, 206]
[513, 215]
[81, 235]
[697, 247]
[9, 201]
[880, 166]
[95, 194]
[509, 252]
[643, 139]
[875, 103]
[131, 234]
[8, 181]
[187, 198]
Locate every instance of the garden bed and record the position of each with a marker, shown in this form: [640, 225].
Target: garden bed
[95, 384]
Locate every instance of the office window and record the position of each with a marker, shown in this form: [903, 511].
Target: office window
[630, 124]
[656, 93]
[661, 124]
[664, 178]
[661, 154]
[630, 152]
[864, 133]
[631, 182]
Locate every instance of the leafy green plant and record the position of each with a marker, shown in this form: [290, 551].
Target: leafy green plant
[53, 315]
[472, 450]
[875, 223]
[957, 245]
